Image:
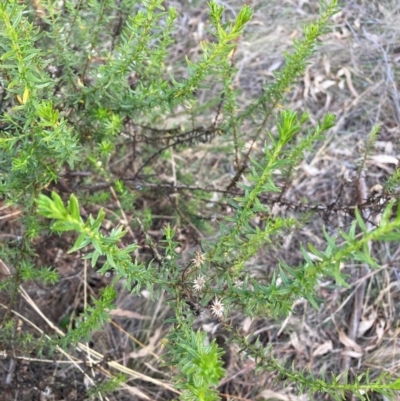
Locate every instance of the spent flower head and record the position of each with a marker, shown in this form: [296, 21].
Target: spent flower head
[217, 308]
[198, 259]
[199, 283]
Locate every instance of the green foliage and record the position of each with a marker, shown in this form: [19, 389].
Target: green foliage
[73, 122]
[107, 387]
[200, 364]
[67, 218]
[335, 386]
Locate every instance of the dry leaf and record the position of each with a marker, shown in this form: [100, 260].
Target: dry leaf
[296, 343]
[352, 354]
[246, 324]
[346, 72]
[380, 329]
[129, 314]
[310, 170]
[150, 347]
[327, 84]
[327, 65]
[348, 342]
[383, 159]
[366, 324]
[323, 348]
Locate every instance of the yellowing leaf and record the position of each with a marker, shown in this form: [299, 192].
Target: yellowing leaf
[25, 96]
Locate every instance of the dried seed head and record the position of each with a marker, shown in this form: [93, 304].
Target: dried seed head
[217, 308]
[199, 283]
[199, 259]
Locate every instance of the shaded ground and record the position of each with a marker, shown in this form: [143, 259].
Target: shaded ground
[355, 75]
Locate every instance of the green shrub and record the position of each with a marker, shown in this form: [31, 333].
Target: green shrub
[81, 79]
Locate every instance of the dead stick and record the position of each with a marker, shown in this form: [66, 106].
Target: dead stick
[362, 276]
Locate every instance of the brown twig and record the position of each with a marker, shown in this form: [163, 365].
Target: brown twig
[362, 277]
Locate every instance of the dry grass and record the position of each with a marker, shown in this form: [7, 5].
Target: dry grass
[355, 75]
